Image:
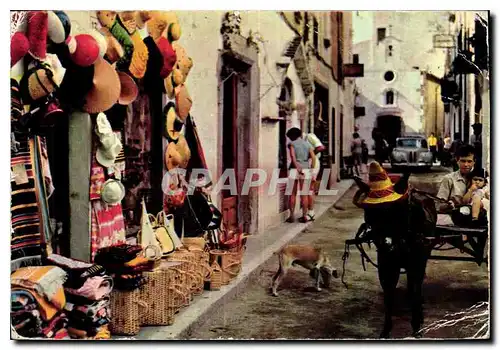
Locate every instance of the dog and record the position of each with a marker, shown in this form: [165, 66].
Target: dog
[309, 257]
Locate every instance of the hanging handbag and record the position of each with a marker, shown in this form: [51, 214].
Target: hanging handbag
[165, 230]
[147, 238]
[175, 195]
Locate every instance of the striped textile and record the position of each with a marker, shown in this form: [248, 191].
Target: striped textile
[27, 241]
[107, 226]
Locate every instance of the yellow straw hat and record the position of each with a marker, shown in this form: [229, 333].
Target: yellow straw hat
[381, 187]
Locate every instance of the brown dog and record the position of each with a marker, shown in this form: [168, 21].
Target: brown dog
[308, 257]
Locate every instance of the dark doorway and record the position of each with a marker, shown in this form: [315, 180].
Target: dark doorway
[341, 144]
[391, 127]
[321, 125]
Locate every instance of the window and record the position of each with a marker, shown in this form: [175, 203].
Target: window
[389, 76]
[355, 58]
[389, 51]
[297, 16]
[380, 34]
[389, 97]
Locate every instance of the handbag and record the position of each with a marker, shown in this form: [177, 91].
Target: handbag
[205, 213]
[165, 224]
[148, 238]
[174, 196]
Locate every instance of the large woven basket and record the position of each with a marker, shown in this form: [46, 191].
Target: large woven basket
[126, 310]
[190, 268]
[164, 294]
[202, 268]
[215, 278]
[229, 262]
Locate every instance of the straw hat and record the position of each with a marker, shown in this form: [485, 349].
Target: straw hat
[37, 33]
[106, 18]
[19, 46]
[129, 90]
[112, 192]
[184, 151]
[114, 51]
[183, 102]
[37, 83]
[381, 187]
[128, 19]
[65, 21]
[173, 158]
[105, 90]
[142, 18]
[173, 124]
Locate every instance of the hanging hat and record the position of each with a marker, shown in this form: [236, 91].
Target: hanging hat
[37, 33]
[112, 192]
[65, 21]
[87, 50]
[101, 42]
[37, 82]
[106, 18]
[16, 104]
[110, 144]
[381, 187]
[173, 158]
[56, 31]
[173, 124]
[114, 50]
[19, 46]
[183, 102]
[142, 17]
[168, 54]
[129, 90]
[105, 90]
[184, 151]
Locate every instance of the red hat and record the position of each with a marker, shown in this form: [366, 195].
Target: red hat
[37, 33]
[87, 50]
[169, 56]
[19, 46]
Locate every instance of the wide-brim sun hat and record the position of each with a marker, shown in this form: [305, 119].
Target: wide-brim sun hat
[183, 102]
[173, 125]
[19, 46]
[114, 50]
[56, 31]
[129, 90]
[109, 149]
[101, 42]
[87, 50]
[105, 90]
[184, 151]
[173, 159]
[168, 54]
[381, 187]
[112, 192]
[37, 33]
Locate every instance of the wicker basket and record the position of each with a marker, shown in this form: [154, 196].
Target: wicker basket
[202, 268]
[190, 268]
[229, 262]
[215, 278]
[194, 242]
[127, 308]
[163, 294]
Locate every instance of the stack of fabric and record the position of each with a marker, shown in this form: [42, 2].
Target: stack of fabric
[37, 302]
[87, 292]
[126, 264]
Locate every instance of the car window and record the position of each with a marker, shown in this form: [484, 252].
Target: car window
[408, 143]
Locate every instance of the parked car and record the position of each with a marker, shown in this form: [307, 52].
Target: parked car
[411, 151]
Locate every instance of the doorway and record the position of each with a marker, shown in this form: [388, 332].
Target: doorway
[235, 141]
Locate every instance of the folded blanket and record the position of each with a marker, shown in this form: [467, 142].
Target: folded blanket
[94, 288]
[78, 271]
[57, 323]
[47, 309]
[117, 254]
[91, 310]
[47, 281]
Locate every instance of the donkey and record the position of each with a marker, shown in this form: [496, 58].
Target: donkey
[398, 231]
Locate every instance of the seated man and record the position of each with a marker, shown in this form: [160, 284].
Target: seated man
[454, 185]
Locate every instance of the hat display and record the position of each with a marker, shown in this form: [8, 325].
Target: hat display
[65, 21]
[114, 51]
[129, 90]
[105, 90]
[173, 159]
[110, 144]
[173, 124]
[168, 54]
[37, 33]
[183, 102]
[112, 192]
[101, 42]
[87, 50]
[381, 187]
[56, 31]
[184, 151]
[19, 46]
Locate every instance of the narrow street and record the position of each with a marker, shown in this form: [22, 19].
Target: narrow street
[357, 312]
